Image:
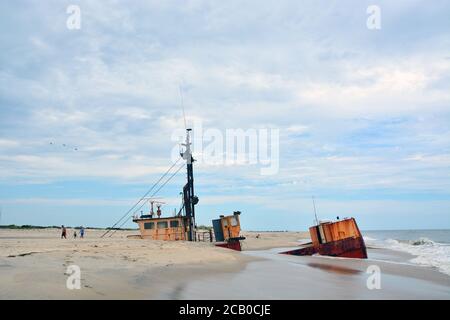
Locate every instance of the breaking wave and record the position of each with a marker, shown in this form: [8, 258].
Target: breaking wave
[422, 241]
[427, 252]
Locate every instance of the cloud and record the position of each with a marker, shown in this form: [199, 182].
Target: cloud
[360, 112]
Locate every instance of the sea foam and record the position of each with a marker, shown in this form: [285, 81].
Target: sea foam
[427, 252]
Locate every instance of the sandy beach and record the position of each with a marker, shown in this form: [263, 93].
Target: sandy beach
[33, 265]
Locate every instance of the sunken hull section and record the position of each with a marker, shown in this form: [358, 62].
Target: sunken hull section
[336, 239]
[346, 248]
[231, 244]
[227, 231]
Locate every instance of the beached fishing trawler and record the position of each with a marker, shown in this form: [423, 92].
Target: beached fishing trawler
[153, 226]
[181, 226]
[340, 238]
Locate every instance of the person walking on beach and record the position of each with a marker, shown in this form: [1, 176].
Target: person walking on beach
[81, 232]
[75, 234]
[63, 232]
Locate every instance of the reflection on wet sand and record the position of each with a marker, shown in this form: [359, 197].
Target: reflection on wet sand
[333, 269]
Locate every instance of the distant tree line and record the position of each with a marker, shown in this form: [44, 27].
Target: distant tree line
[28, 226]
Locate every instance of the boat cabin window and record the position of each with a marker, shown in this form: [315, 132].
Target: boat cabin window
[225, 222]
[162, 225]
[149, 225]
[234, 222]
[174, 224]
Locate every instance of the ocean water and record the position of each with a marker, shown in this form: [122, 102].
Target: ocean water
[429, 247]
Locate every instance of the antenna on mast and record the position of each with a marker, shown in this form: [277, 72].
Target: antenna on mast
[182, 106]
[315, 212]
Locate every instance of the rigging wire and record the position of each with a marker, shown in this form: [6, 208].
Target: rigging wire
[181, 207]
[170, 178]
[142, 198]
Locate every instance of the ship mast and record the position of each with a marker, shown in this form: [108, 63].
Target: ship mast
[315, 212]
[190, 200]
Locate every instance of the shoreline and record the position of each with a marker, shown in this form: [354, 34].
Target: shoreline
[33, 266]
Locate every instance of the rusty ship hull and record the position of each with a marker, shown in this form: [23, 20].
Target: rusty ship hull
[336, 239]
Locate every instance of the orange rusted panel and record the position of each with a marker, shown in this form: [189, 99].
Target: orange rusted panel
[327, 232]
[231, 226]
[227, 231]
[163, 228]
[314, 236]
[342, 230]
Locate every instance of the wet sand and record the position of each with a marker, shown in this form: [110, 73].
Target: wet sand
[33, 265]
[291, 277]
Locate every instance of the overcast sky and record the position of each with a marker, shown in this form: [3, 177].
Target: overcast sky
[86, 116]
